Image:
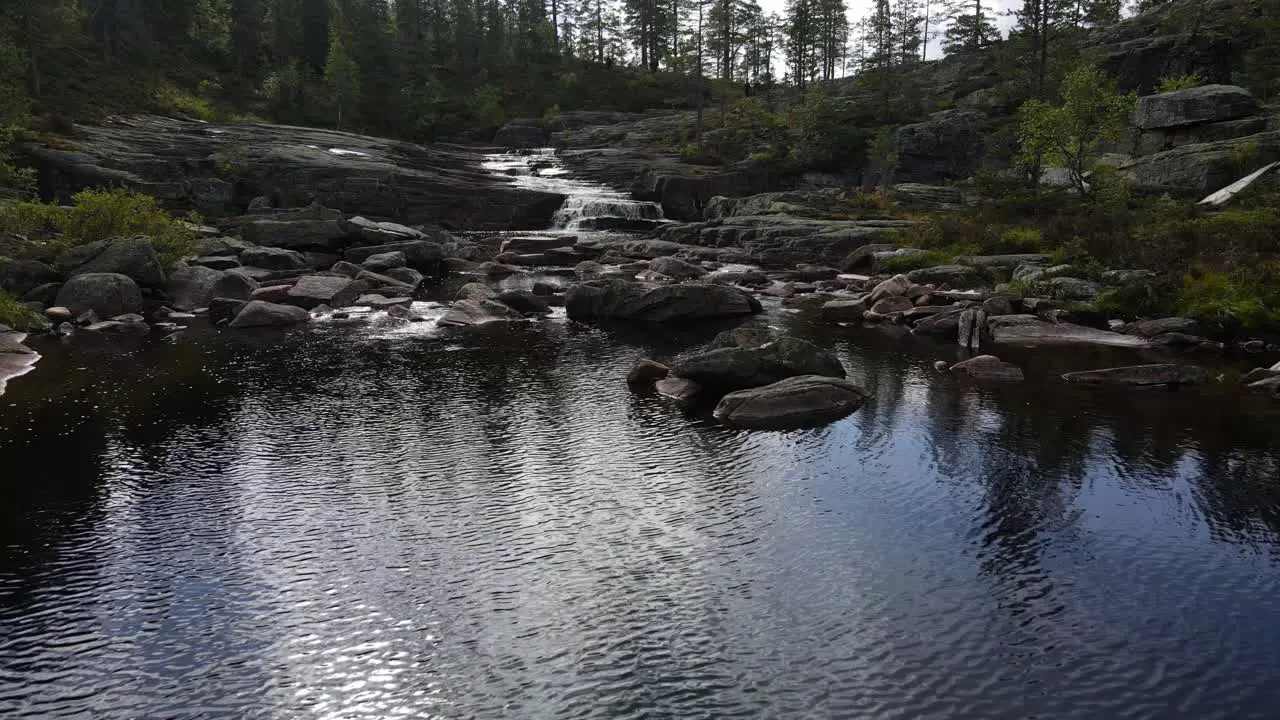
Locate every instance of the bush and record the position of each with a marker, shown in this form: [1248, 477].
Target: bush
[14, 181]
[169, 99]
[99, 215]
[14, 314]
[1180, 82]
[1232, 301]
[929, 258]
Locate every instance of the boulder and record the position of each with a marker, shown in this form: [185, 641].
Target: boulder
[406, 275]
[843, 310]
[863, 257]
[343, 267]
[192, 287]
[217, 262]
[224, 310]
[118, 327]
[1141, 375]
[1152, 328]
[1070, 289]
[11, 344]
[134, 257]
[946, 146]
[688, 302]
[676, 268]
[525, 302]
[475, 291]
[960, 276]
[1008, 261]
[891, 305]
[380, 302]
[646, 372]
[273, 258]
[1029, 330]
[685, 392]
[735, 368]
[800, 401]
[106, 294]
[19, 277]
[258, 313]
[294, 234]
[477, 312]
[272, 294]
[895, 286]
[383, 262]
[234, 285]
[1192, 106]
[998, 305]
[988, 367]
[314, 290]
[1248, 378]
[374, 280]
[743, 337]
[496, 269]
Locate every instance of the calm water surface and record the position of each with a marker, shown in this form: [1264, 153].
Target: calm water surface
[356, 522]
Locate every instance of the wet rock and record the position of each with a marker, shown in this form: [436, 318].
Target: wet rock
[401, 311]
[477, 312]
[843, 310]
[676, 268]
[19, 277]
[86, 318]
[544, 289]
[272, 293]
[1257, 374]
[685, 392]
[779, 290]
[382, 262]
[107, 294]
[475, 291]
[960, 276]
[257, 313]
[406, 275]
[751, 277]
[896, 286]
[969, 328]
[988, 367]
[495, 269]
[800, 401]
[1191, 106]
[425, 256]
[320, 260]
[134, 257]
[296, 234]
[273, 258]
[224, 310]
[735, 368]
[1029, 330]
[998, 305]
[313, 290]
[589, 270]
[646, 372]
[235, 285]
[192, 287]
[11, 344]
[380, 302]
[1141, 375]
[743, 337]
[812, 273]
[688, 302]
[117, 327]
[383, 282]
[525, 302]
[892, 305]
[343, 267]
[1176, 339]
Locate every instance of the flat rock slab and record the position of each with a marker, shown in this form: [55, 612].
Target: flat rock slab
[1143, 375]
[988, 367]
[801, 401]
[1029, 330]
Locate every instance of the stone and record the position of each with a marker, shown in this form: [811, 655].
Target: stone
[525, 302]
[134, 257]
[273, 258]
[892, 305]
[383, 262]
[688, 302]
[969, 328]
[406, 275]
[812, 273]
[224, 310]
[107, 294]
[19, 277]
[1029, 330]
[1192, 106]
[88, 317]
[1199, 168]
[375, 280]
[1152, 328]
[1269, 385]
[343, 267]
[425, 256]
[646, 372]
[800, 401]
[735, 368]
[233, 284]
[59, 314]
[988, 367]
[676, 268]
[258, 313]
[475, 291]
[496, 269]
[261, 203]
[1257, 374]
[521, 133]
[960, 276]
[998, 305]
[779, 290]
[743, 337]
[296, 234]
[863, 257]
[192, 287]
[895, 286]
[1070, 289]
[685, 392]
[477, 312]
[272, 293]
[380, 302]
[589, 270]
[1007, 261]
[843, 310]
[946, 146]
[11, 344]
[1142, 375]
[313, 290]
[401, 311]
[217, 262]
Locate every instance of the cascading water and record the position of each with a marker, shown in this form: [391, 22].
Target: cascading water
[588, 206]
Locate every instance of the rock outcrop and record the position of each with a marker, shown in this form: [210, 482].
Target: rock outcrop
[688, 302]
[794, 402]
[1193, 106]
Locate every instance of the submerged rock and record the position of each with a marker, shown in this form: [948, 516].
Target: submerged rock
[477, 311]
[740, 338]
[988, 367]
[735, 368]
[683, 391]
[1155, 374]
[523, 301]
[1032, 331]
[800, 401]
[646, 372]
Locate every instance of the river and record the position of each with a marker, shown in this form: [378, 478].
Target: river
[354, 520]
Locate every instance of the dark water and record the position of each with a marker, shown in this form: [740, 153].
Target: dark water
[347, 523]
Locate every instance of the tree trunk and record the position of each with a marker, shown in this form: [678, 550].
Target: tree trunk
[33, 46]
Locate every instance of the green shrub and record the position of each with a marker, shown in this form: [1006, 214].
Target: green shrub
[14, 181]
[99, 215]
[1180, 82]
[929, 258]
[14, 314]
[1022, 239]
[1233, 301]
[169, 99]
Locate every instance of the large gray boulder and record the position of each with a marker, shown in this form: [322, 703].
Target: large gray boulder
[421, 255]
[988, 367]
[477, 311]
[19, 277]
[1201, 168]
[946, 146]
[234, 285]
[960, 276]
[735, 368]
[312, 291]
[1142, 375]
[1152, 328]
[273, 258]
[676, 268]
[107, 294]
[135, 257]
[800, 401]
[1191, 106]
[192, 287]
[688, 302]
[328, 234]
[258, 313]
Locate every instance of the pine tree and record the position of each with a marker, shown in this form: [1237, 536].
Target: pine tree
[342, 76]
[907, 31]
[972, 27]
